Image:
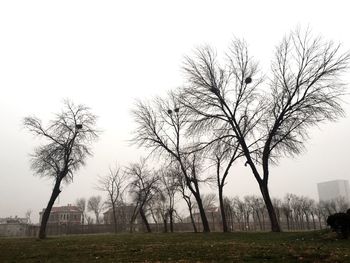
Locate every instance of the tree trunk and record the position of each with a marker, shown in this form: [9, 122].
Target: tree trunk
[196, 194]
[193, 222]
[204, 219]
[291, 222]
[165, 222]
[171, 218]
[254, 221]
[313, 221]
[301, 220]
[288, 227]
[319, 222]
[232, 222]
[155, 220]
[114, 218]
[275, 227]
[307, 221]
[55, 192]
[239, 222]
[247, 221]
[189, 205]
[144, 219]
[259, 220]
[133, 218]
[222, 210]
[97, 218]
[263, 219]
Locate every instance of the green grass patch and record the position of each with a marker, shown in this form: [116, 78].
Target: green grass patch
[319, 246]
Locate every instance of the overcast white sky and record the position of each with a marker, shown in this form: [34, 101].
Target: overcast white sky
[107, 53]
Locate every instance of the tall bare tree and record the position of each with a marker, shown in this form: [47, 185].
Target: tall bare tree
[67, 145]
[95, 205]
[162, 128]
[304, 90]
[143, 186]
[114, 184]
[225, 152]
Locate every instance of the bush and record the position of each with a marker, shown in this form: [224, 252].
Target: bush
[340, 223]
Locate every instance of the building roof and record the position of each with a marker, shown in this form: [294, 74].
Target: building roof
[125, 207]
[65, 209]
[334, 181]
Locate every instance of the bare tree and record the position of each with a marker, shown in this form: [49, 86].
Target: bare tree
[342, 204]
[81, 204]
[229, 212]
[306, 208]
[89, 220]
[158, 208]
[67, 140]
[225, 153]
[304, 91]
[240, 212]
[186, 195]
[114, 184]
[287, 210]
[322, 214]
[162, 128]
[169, 187]
[297, 213]
[248, 211]
[143, 186]
[277, 205]
[313, 212]
[96, 205]
[257, 209]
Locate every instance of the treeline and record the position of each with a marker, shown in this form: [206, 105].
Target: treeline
[293, 212]
[139, 194]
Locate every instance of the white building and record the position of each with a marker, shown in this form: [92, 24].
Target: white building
[332, 190]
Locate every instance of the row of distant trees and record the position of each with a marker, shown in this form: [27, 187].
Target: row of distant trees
[154, 195]
[226, 113]
[248, 213]
[296, 212]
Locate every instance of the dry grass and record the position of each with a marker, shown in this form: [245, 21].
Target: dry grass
[320, 246]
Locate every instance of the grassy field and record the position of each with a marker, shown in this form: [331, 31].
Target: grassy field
[179, 247]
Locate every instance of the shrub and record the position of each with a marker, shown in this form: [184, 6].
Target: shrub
[340, 223]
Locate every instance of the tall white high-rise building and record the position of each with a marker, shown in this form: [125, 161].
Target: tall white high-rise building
[332, 190]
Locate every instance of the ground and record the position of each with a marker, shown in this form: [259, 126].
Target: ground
[319, 246]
